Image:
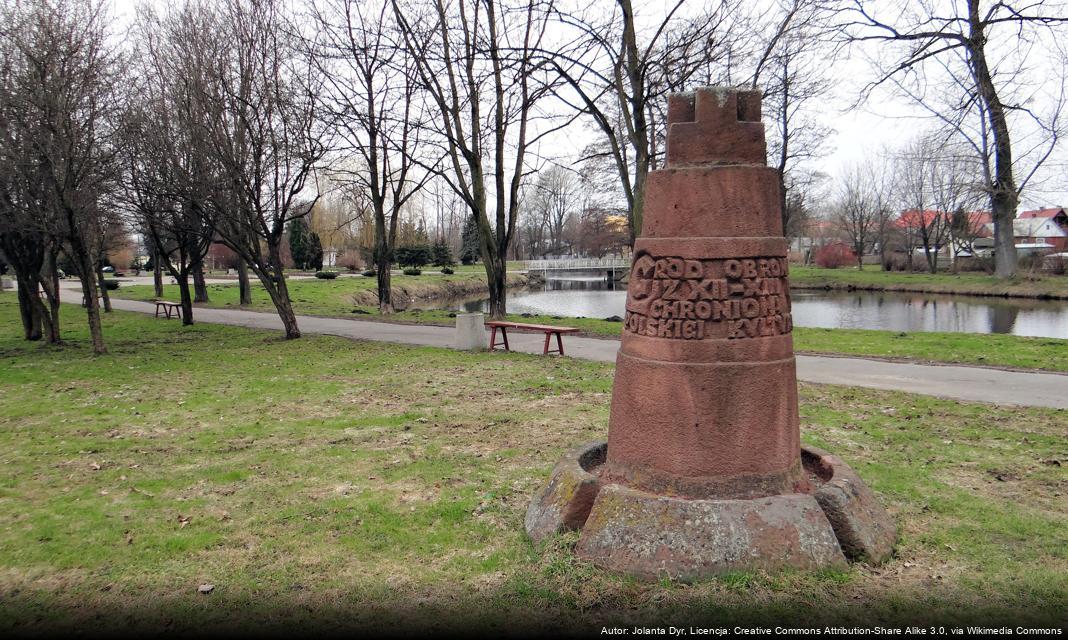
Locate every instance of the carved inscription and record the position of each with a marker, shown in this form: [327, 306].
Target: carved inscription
[687, 299]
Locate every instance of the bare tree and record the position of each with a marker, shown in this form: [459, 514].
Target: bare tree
[28, 238]
[478, 65]
[168, 174]
[553, 198]
[932, 182]
[855, 211]
[792, 70]
[370, 92]
[257, 94]
[955, 38]
[883, 200]
[956, 190]
[63, 107]
[619, 74]
[531, 240]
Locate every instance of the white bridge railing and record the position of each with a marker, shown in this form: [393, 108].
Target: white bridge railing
[578, 264]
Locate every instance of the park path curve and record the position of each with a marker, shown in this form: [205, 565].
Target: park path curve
[976, 384]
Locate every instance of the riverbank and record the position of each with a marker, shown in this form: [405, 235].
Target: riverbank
[323, 484]
[338, 299]
[1040, 286]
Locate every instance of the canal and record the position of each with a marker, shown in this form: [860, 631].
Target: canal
[596, 297]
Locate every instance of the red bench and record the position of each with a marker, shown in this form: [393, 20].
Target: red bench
[548, 330]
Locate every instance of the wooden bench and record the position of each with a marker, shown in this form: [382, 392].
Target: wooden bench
[548, 330]
[167, 307]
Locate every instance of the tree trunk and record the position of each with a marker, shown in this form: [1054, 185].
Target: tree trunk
[186, 298]
[103, 289]
[637, 209]
[1003, 196]
[382, 267]
[275, 283]
[157, 274]
[92, 305]
[243, 284]
[28, 307]
[639, 135]
[496, 278]
[385, 294]
[200, 288]
[1005, 258]
[52, 291]
[285, 312]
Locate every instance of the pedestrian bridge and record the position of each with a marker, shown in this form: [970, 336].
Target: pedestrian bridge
[613, 268]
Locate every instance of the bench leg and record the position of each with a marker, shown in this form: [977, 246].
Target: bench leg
[493, 338]
[178, 310]
[157, 312]
[559, 343]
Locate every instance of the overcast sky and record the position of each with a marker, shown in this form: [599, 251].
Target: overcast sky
[880, 124]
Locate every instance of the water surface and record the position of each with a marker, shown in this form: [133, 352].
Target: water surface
[595, 297]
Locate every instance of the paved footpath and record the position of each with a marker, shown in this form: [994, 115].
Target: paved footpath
[957, 382]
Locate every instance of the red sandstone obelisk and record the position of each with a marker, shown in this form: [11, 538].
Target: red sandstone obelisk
[703, 471]
[705, 397]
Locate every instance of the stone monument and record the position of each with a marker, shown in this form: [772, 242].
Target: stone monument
[703, 471]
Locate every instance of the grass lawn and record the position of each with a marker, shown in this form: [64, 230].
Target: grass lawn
[328, 483]
[336, 297]
[1024, 285]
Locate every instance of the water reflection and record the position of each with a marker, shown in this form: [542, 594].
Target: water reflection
[594, 297]
[919, 312]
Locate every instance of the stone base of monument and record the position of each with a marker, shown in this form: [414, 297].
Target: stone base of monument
[653, 536]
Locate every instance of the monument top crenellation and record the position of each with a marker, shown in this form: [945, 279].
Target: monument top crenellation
[715, 126]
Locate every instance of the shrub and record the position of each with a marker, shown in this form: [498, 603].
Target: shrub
[370, 273]
[350, 259]
[447, 271]
[894, 262]
[1030, 262]
[326, 275]
[834, 255]
[111, 285]
[412, 271]
[1057, 265]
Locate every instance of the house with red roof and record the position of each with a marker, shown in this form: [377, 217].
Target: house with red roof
[1048, 226]
[1057, 214]
[1040, 230]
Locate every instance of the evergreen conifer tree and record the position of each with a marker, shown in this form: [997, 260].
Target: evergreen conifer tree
[470, 251]
[298, 243]
[315, 252]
